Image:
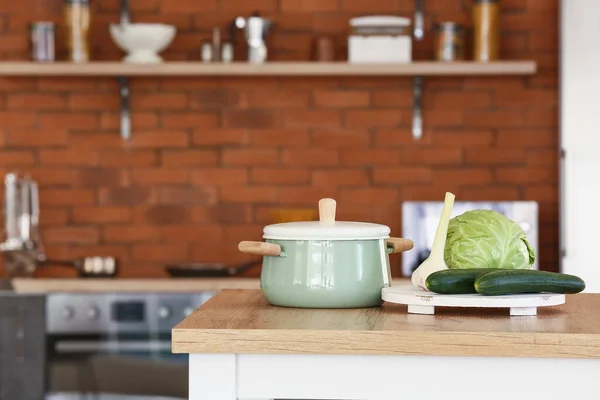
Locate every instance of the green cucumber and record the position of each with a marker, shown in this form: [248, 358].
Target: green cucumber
[455, 281]
[517, 281]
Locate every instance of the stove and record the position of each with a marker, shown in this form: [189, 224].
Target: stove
[117, 345]
[108, 313]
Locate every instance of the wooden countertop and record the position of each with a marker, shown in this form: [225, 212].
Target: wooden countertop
[242, 322]
[172, 285]
[168, 285]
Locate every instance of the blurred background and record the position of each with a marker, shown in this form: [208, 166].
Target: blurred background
[211, 158]
[142, 140]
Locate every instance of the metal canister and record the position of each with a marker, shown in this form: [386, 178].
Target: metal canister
[450, 41]
[42, 41]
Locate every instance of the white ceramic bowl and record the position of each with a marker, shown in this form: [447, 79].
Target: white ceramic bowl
[142, 42]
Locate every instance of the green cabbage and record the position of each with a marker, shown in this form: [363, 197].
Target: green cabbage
[486, 239]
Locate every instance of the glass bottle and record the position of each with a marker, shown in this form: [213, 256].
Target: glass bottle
[486, 30]
[77, 16]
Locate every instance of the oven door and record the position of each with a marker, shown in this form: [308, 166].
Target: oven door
[117, 344]
[115, 367]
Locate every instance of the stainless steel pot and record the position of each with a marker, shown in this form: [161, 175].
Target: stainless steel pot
[325, 263]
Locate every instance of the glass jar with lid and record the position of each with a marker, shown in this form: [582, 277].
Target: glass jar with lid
[380, 38]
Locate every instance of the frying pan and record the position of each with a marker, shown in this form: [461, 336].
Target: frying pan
[206, 270]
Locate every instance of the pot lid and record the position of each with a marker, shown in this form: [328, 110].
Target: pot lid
[326, 228]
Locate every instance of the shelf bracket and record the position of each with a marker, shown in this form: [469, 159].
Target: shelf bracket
[417, 119]
[125, 17]
[125, 114]
[419, 21]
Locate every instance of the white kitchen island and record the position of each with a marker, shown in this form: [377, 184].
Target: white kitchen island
[240, 347]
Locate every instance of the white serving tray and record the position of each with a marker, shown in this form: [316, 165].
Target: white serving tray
[420, 301]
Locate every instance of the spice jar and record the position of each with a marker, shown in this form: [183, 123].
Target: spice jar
[449, 41]
[324, 50]
[77, 16]
[486, 30]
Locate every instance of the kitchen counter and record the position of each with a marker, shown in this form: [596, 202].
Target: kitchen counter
[259, 351]
[570, 330]
[168, 285]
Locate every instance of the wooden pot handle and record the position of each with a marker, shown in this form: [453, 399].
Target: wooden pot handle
[259, 248]
[399, 244]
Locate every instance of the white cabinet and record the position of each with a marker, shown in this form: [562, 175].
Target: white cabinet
[580, 139]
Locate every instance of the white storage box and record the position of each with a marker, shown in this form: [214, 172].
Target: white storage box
[380, 39]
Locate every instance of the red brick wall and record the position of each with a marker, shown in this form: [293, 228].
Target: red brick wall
[210, 157]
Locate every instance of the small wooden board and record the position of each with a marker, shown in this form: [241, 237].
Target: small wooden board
[420, 301]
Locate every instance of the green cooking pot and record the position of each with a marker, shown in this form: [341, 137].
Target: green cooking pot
[325, 263]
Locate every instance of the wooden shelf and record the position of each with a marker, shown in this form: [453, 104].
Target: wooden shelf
[428, 68]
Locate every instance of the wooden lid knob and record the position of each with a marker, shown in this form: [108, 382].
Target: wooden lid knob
[327, 209]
